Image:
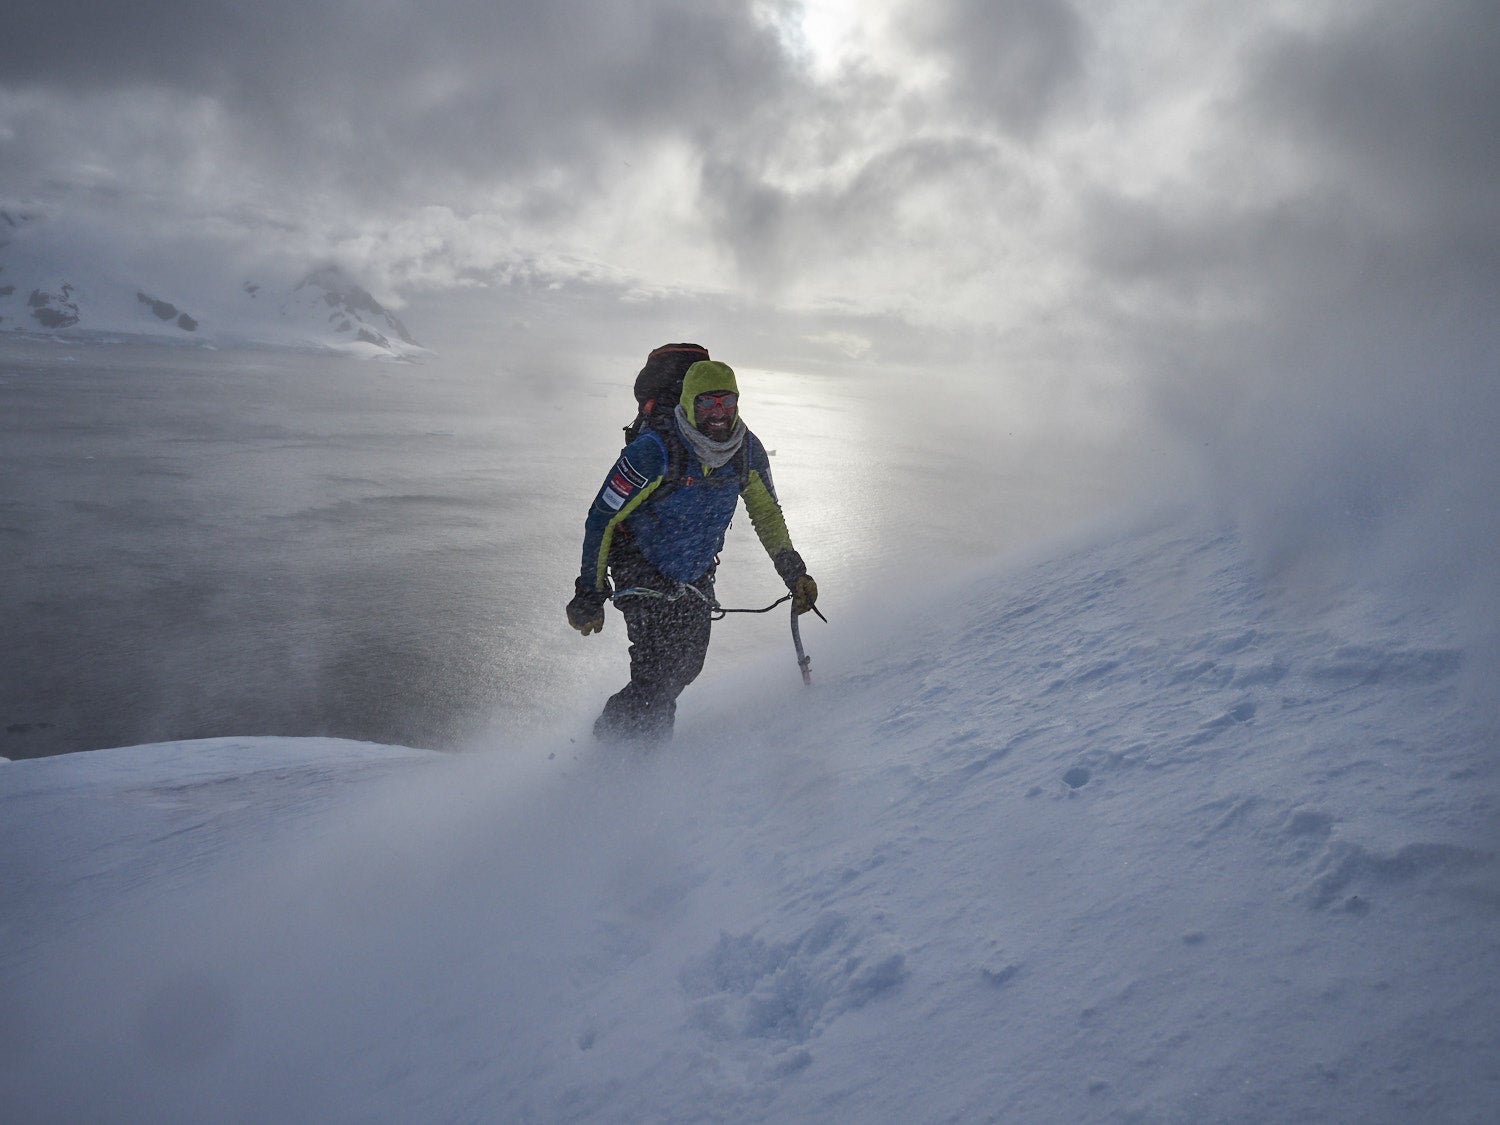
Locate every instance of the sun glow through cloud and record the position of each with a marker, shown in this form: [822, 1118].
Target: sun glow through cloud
[830, 28]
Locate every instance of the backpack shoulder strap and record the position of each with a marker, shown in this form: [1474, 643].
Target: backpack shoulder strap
[674, 452]
[674, 455]
[741, 461]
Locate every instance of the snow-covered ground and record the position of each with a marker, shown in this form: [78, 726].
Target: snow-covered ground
[1119, 833]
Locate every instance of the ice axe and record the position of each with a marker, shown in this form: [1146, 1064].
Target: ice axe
[803, 660]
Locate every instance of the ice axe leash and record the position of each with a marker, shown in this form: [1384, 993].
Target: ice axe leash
[718, 612]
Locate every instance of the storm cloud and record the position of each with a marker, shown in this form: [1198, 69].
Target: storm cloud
[1311, 303]
[967, 152]
[420, 100]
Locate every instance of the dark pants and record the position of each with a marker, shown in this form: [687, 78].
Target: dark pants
[668, 641]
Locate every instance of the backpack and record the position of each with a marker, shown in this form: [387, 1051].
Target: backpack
[659, 386]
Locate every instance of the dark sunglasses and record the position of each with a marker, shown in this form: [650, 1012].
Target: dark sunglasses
[716, 400]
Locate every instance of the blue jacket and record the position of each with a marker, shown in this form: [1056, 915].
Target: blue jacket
[679, 529]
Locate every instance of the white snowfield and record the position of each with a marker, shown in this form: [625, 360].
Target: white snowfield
[1113, 837]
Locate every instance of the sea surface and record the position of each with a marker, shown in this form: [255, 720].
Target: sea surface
[198, 543]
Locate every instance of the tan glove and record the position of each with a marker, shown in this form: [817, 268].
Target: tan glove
[793, 572]
[586, 610]
[804, 593]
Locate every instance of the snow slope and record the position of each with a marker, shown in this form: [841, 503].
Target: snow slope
[1116, 835]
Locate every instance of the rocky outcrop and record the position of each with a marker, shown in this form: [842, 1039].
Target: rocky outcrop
[55, 309]
[165, 310]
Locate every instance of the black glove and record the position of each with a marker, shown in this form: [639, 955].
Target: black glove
[789, 565]
[793, 572]
[586, 610]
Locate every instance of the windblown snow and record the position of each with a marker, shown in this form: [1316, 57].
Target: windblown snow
[1118, 835]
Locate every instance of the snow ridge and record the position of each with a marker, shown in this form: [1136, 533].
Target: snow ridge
[1112, 838]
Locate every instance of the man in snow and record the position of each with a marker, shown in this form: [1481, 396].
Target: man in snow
[656, 528]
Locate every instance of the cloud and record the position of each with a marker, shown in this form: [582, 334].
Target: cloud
[1008, 63]
[888, 218]
[1404, 102]
[1311, 303]
[423, 100]
[1101, 179]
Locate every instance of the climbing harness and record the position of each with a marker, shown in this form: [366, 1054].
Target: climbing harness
[718, 612]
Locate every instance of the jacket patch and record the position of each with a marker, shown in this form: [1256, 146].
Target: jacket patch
[630, 473]
[616, 491]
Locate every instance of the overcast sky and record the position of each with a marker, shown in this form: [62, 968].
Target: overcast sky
[949, 160]
[1275, 222]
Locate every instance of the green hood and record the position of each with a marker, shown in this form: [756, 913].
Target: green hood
[706, 375]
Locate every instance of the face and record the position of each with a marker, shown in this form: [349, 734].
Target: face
[714, 413]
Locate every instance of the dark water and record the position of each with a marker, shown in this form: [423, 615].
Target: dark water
[198, 544]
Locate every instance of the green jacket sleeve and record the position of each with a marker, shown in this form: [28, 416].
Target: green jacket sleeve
[759, 495]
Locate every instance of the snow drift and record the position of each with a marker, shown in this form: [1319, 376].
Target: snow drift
[1113, 836]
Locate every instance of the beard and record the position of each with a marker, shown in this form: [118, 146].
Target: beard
[717, 428]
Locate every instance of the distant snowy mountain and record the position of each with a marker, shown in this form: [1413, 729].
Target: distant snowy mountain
[55, 283]
[328, 296]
